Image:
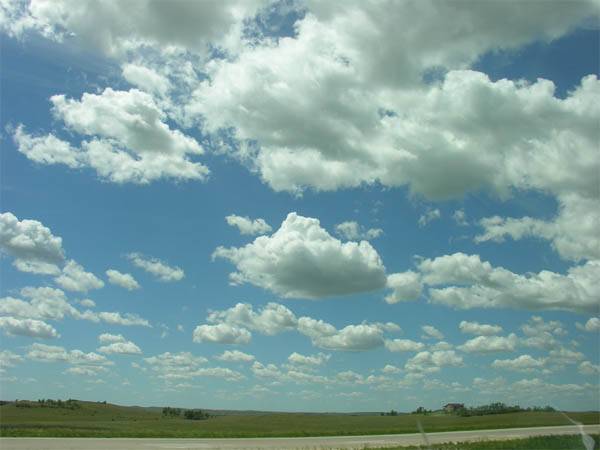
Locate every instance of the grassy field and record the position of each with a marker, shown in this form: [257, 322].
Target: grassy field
[106, 420]
[534, 443]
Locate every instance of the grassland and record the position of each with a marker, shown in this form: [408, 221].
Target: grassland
[534, 443]
[106, 420]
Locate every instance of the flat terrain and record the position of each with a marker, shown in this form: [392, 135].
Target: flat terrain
[105, 420]
[337, 442]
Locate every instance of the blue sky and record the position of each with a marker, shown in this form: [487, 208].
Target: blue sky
[261, 205]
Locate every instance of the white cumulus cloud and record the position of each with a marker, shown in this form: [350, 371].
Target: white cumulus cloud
[107, 338]
[53, 353]
[75, 278]
[32, 245]
[248, 226]
[156, 267]
[27, 327]
[120, 348]
[403, 345]
[472, 283]
[235, 356]
[106, 27]
[271, 319]
[523, 363]
[430, 362]
[429, 216]
[592, 325]
[490, 344]
[125, 280]
[431, 332]
[221, 333]
[303, 260]
[353, 231]
[128, 139]
[480, 329]
[405, 286]
[308, 360]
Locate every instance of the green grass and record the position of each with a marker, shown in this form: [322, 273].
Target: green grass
[106, 420]
[534, 443]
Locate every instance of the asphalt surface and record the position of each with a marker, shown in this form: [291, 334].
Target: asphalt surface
[333, 442]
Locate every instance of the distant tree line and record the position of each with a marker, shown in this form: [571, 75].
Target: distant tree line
[484, 410]
[48, 403]
[171, 412]
[390, 413]
[498, 408]
[190, 414]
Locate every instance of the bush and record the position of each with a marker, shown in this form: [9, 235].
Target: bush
[195, 414]
[171, 412]
[49, 403]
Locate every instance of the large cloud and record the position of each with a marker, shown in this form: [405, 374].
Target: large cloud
[308, 360]
[9, 359]
[523, 363]
[270, 320]
[592, 325]
[403, 345]
[573, 233]
[405, 286]
[482, 329]
[575, 291]
[374, 124]
[430, 362]
[32, 245]
[542, 334]
[130, 141]
[303, 260]
[51, 304]
[221, 333]
[27, 327]
[117, 344]
[75, 278]
[360, 337]
[352, 338]
[120, 348]
[233, 325]
[490, 344]
[184, 365]
[52, 353]
[235, 356]
[107, 26]
[465, 281]
[44, 303]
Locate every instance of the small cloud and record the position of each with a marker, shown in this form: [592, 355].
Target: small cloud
[429, 216]
[460, 218]
[124, 280]
[248, 226]
[156, 267]
[431, 332]
[352, 231]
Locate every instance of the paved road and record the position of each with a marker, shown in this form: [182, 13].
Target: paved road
[334, 442]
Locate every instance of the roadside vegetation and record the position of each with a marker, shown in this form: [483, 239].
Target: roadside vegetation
[569, 442]
[92, 419]
[482, 410]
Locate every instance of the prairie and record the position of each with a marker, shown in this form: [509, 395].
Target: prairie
[92, 419]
